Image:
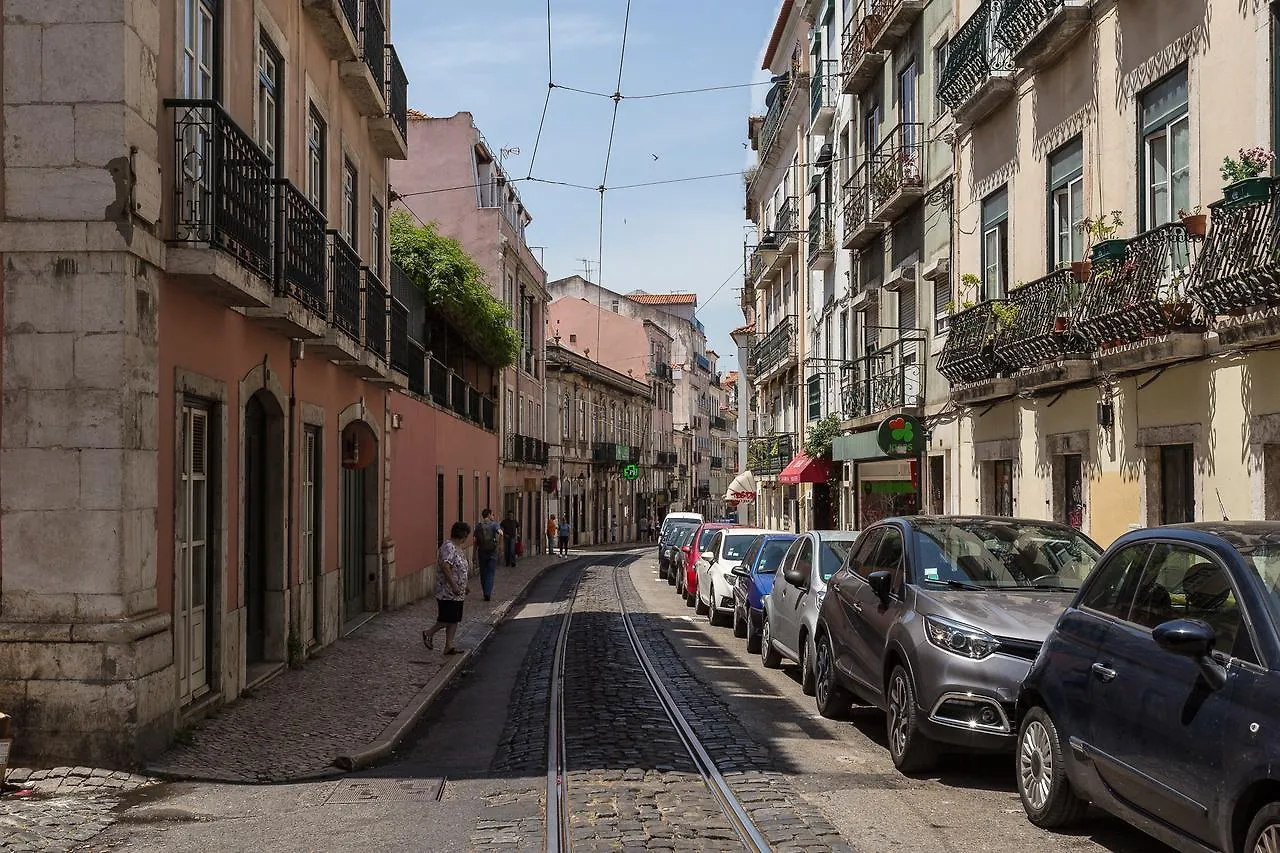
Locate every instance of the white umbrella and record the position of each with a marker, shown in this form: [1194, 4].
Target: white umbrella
[743, 488]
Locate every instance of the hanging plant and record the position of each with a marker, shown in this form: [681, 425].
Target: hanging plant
[456, 286]
[821, 436]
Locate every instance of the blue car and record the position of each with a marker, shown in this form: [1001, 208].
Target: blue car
[1155, 695]
[752, 581]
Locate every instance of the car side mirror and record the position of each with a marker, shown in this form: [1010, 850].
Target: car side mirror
[1193, 639]
[740, 571]
[709, 556]
[881, 583]
[797, 577]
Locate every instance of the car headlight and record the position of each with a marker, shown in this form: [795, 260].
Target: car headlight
[960, 639]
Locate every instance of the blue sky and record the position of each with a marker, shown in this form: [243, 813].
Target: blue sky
[491, 58]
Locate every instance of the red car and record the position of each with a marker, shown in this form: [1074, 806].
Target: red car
[687, 580]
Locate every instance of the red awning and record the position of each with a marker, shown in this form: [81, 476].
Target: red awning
[804, 469]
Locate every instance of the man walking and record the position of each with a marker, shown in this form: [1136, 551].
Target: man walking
[564, 531]
[488, 537]
[553, 530]
[510, 536]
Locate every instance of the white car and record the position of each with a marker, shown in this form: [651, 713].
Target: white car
[670, 519]
[714, 567]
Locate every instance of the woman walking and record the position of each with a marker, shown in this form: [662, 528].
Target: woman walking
[451, 587]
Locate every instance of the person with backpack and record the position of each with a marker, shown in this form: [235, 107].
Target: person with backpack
[488, 540]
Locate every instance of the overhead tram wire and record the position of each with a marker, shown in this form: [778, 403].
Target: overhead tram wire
[604, 178]
[546, 101]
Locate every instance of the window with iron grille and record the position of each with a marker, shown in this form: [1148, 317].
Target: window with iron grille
[316, 158]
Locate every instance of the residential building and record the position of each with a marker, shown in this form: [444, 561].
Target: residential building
[208, 363]
[1128, 391]
[483, 211]
[724, 435]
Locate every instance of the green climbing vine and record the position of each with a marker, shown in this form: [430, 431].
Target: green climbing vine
[456, 286]
[821, 436]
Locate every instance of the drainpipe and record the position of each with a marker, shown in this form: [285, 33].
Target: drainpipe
[291, 551]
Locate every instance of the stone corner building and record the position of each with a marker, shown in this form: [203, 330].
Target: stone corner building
[210, 364]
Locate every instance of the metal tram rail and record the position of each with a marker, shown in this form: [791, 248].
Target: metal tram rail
[557, 837]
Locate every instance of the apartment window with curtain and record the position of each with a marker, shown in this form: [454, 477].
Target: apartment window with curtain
[940, 51]
[909, 113]
[350, 180]
[1066, 203]
[269, 91]
[995, 244]
[316, 158]
[377, 238]
[1165, 164]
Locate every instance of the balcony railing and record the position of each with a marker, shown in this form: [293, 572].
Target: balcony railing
[223, 188]
[438, 382]
[717, 463]
[1240, 266]
[769, 454]
[857, 206]
[526, 450]
[458, 393]
[779, 100]
[775, 347]
[665, 459]
[397, 92]
[897, 167]
[1043, 327]
[662, 371]
[973, 56]
[856, 54]
[344, 285]
[1144, 294]
[351, 9]
[373, 41]
[785, 222]
[703, 363]
[375, 315]
[401, 352]
[719, 423]
[755, 266]
[824, 88]
[408, 294]
[821, 231]
[301, 267]
[610, 452]
[887, 380]
[1037, 30]
[970, 353]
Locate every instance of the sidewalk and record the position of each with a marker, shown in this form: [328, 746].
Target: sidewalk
[350, 704]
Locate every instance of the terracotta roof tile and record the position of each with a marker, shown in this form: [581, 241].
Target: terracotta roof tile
[664, 298]
[414, 114]
[751, 327]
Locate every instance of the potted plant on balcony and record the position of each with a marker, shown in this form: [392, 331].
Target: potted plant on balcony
[1196, 223]
[1241, 177]
[1100, 243]
[817, 445]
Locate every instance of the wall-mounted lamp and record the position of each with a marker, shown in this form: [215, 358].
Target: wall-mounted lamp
[1106, 414]
[396, 420]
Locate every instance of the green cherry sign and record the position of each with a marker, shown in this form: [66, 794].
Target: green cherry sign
[901, 436]
[631, 472]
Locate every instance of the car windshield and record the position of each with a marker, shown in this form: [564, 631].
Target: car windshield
[996, 554]
[834, 552]
[735, 546]
[1264, 560]
[771, 555]
[705, 539]
[677, 531]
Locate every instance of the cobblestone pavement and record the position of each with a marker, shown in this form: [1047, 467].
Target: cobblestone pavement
[70, 806]
[294, 726]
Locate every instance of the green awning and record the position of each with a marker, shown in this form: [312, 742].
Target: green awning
[859, 447]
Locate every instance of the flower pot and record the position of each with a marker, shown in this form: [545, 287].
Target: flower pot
[1108, 250]
[1197, 224]
[1250, 189]
[1081, 270]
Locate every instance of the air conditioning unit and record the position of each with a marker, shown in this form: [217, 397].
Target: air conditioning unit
[903, 278]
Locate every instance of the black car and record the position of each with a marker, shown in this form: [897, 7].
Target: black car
[1155, 695]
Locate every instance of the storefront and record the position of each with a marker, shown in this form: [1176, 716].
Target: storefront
[884, 467]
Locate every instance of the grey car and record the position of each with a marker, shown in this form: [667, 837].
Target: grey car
[791, 607]
[936, 620]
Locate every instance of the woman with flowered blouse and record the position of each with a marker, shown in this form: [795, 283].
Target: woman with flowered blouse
[451, 587]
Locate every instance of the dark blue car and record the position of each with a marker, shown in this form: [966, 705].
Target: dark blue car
[1156, 694]
[752, 582]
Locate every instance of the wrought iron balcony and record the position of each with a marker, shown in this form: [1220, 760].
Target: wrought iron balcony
[717, 463]
[1043, 329]
[970, 353]
[397, 91]
[897, 171]
[373, 42]
[978, 75]
[775, 348]
[664, 459]
[376, 307]
[401, 352]
[896, 18]
[662, 371]
[719, 423]
[756, 264]
[223, 185]
[438, 382]
[785, 224]
[525, 450]
[859, 226]
[861, 63]
[303, 253]
[338, 26]
[1240, 265]
[344, 285]
[779, 101]
[890, 379]
[1144, 294]
[822, 236]
[459, 391]
[769, 454]
[824, 92]
[609, 452]
[702, 362]
[1038, 31]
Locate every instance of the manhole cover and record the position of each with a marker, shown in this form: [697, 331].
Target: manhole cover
[385, 791]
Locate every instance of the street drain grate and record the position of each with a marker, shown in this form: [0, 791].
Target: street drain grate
[350, 791]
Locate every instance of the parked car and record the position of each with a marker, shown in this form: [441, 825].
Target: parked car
[936, 620]
[789, 612]
[752, 580]
[687, 576]
[1155, 695]
[674, 521]
[676, 550]
[714, 571]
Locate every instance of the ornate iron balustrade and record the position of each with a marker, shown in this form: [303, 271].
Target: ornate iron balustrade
[898, 163]
[974, 54]
[610, 452]
[775, 347]
[1142, 295]
[438, 377]
[526, 449]
[821, 234]
[769, 454]
[755, 266]
[664, 459]
[301, 267]
[373, 39]
[889, 379]
[1043, 328]
[719, 423]
[397, 92]
[858, 37]
[970, 353]
[785, 222]
[662, 371]
[375, 315]
[822, 86]
[1017, 21]
[717, 463]
[857, 200]
[223, 185]
[410, 296]
[400, 351]
[1239, 267]
[351, 9]
[781, 95]
[344, 285]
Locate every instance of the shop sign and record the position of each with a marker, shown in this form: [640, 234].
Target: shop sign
[901, 436]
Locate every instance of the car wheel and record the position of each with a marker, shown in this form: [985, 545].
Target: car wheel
[753, 637]
[807, 679]
[1264, 832]
[768, 654]
[698, 607]
[671, 575]
[662, 571]
[833, 701]
[1046, 792]
[739, 625]
[910, 750]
